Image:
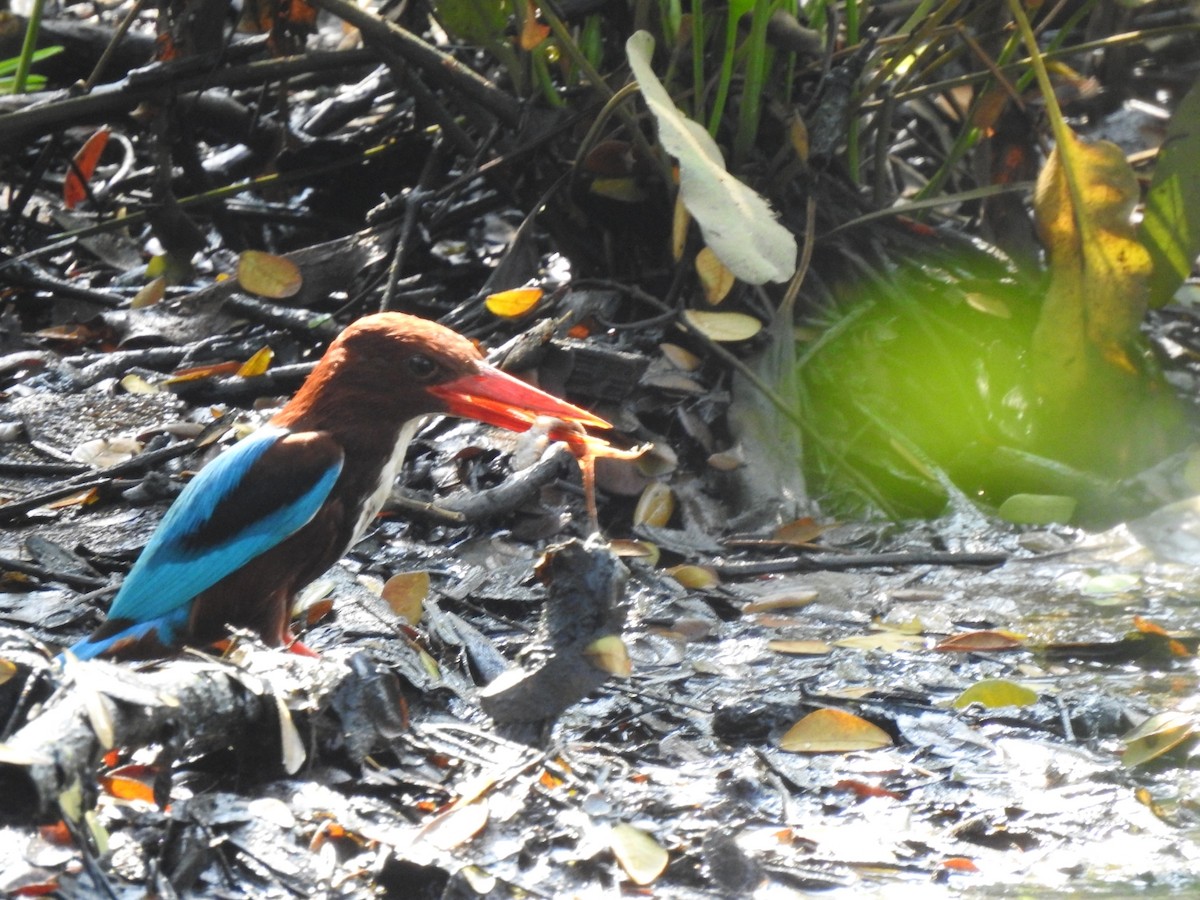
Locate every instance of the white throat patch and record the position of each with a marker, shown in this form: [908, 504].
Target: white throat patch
[374, 502]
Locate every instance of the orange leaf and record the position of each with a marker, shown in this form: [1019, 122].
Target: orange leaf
[510, 304]
[83, 166]
[533, 32]
[959, 864]
[257, 364]
[833, 731]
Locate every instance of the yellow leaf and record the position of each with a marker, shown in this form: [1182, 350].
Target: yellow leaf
[510, 304]
[715, 278]
[798, 135]
[655, 506]
[638, 853]
[887, 641]
[723, 326]
[1157, 735]
[406, 593]
[257, 364]
[609, 654]
[268, 275]
[696, 577]
[833, 731]
[136, 384]
[679, 228]
[150, 293]
[623, 188]
[681, 358]
[995, 692]
[1097, 295]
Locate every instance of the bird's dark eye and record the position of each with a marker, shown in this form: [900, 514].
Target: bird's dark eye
[422, 367]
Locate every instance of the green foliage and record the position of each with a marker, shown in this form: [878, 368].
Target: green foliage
[10, 67]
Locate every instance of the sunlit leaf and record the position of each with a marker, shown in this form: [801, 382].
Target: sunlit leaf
[680, 221]
[1096, 297]
[833, 731]
[150, 293]
[723, 327]
[979, 641]
[457, 825]
[655, 506]
[887, 641]
[696, 577]
[680, 358]
[789, 600]
[638, 854]
[510, 304]
[136, 384]
[104, 452]
[609, 654]
[800, 648]
[83, 167]
[406, 593]
[257, 364]
[1159, 734]
[996, 692]
[736, 222]
[715, 277]
[268, 275]
[644, 550]
[799, 531]
[291, 745]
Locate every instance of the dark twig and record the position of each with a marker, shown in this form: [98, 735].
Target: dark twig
[825, 562]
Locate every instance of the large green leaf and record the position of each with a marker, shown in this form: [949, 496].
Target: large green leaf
[1171, 225]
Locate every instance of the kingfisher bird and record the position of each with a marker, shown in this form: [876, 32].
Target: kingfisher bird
[276, 510]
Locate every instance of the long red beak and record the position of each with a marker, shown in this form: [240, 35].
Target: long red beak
[497, 398]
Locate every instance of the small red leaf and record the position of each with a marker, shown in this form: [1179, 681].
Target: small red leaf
[83, 167]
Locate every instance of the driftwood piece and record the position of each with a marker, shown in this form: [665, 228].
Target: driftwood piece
[201, 704]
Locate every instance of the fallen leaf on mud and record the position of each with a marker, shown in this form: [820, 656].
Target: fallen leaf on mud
[457, 825]
[793, 600]
[996, 692]
[638, 853]
[267, 275]
[405, 593]
[695, 577]
[609, 654]
[1157, 735]
[979, 641]
[833, 731]
[800, 648]
[887, 641]
[655, 507]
